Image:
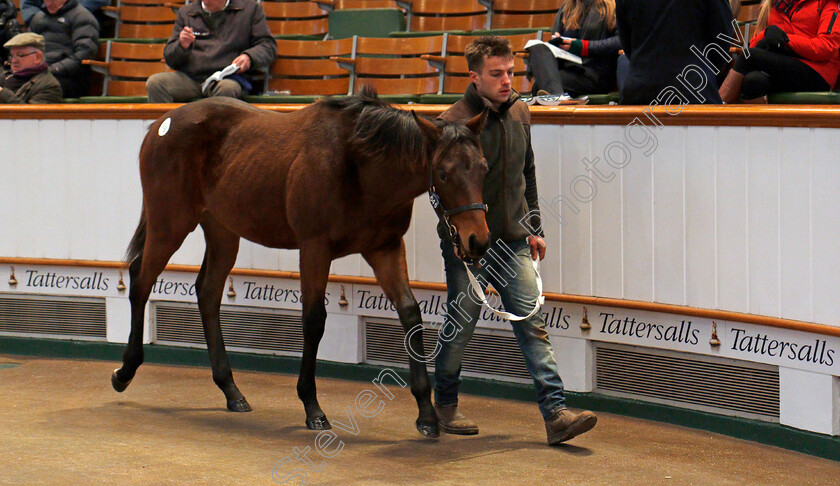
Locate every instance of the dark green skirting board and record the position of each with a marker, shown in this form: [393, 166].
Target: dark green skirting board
[753, 430]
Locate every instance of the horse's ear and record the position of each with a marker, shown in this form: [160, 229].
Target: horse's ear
[430, 131]
[477, 123]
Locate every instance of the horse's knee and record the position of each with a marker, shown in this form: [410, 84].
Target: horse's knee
[314, 319]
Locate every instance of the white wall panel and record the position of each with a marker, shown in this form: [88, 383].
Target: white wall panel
[668, 215]
[547, 157]
[700, 213]
[825, 230]
[763, 220]
[576, 244]
[637, 192]
[794, 222]
[607, 224]
[731, 209]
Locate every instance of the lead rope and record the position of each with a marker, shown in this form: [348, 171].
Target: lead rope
[476, 287]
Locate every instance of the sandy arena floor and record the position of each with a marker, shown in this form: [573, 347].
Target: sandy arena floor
[63, 424]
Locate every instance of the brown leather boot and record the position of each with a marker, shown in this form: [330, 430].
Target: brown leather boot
[564, 424]
[452, 421]
[730, 89]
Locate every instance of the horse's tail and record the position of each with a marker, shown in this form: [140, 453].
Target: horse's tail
[135, 247]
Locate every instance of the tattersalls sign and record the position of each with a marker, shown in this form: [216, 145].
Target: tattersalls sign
[737, 340]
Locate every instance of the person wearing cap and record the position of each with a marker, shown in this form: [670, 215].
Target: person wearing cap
[29, 80]
[71, 34]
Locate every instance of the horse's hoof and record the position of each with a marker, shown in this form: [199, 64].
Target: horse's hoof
[118, 384]
[240, 405]
[428, 429]
[318, 423]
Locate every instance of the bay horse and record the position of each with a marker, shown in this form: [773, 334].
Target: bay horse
[334, 178]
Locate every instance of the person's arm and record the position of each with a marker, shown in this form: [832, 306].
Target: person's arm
[263, 50]
[84, 37]
[825, 45]
[623, 26]
[591, 48]
[174, 54]
[50, 94]
[8, 97]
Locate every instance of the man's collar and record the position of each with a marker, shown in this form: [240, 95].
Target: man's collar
[478, 103]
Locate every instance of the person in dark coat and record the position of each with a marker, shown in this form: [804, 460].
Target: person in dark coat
[658, 36]
[209, 36]
[590, 27]
[71, 33]
[29, 81]
[9, 26]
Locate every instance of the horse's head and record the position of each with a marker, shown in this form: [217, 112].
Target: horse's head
[456, 180]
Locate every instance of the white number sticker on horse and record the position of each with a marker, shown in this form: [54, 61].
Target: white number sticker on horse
[164, 127]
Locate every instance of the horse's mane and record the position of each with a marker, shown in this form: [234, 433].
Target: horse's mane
[386, 134]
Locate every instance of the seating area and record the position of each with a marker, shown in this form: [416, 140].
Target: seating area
[410, 50]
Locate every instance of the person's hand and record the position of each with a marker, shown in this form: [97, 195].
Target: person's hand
[565, 45]
[244, 63]
[777, 39]
[555, 35]
[537, 245]
[186, 37]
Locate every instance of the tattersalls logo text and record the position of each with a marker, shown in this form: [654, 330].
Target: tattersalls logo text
[55, 280]
[816, 351]
[683, 332]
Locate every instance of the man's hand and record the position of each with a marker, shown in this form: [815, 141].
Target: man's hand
[244, 63]
[186, 37]
[537, 247]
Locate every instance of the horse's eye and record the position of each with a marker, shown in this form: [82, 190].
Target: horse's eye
[442, 175]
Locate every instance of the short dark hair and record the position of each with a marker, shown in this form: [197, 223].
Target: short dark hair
[483, 47]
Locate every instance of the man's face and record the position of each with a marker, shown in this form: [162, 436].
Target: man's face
[214, 5]
[494, 79]
[54, 6]
[24, 58]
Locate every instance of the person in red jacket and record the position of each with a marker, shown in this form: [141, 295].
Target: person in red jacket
[798, 51]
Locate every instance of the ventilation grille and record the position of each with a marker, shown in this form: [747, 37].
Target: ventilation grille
[65, 317]
[488, 355]
[243, 328]
[711, 384]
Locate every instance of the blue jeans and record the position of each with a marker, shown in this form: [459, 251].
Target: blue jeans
[508, 267]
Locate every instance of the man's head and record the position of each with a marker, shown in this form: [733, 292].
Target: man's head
[27, 51]
[490, 61]
[54, 6]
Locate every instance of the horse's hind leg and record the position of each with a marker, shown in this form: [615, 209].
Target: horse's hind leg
[314, 270]
[390, 269]
[219, 258]
[160, 242]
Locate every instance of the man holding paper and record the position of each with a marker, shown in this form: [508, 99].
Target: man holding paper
[586, 29]
[213, 46]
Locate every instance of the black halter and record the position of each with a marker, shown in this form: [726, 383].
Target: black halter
[444, 214]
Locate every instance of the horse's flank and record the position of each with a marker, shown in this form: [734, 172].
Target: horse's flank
[358, 167]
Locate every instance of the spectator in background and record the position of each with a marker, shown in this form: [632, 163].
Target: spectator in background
[208, 36]
[28, 8]
[71, 34]
[657, 36]
[797, 51]
[30, 80]
[590, 30]
[8, 25]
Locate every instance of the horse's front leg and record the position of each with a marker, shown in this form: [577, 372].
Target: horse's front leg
[390, 268]
[314, 270]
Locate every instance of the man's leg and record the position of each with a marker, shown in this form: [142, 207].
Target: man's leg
[172, 87]
[544, 68]
[459, 325]
[519, 295]
[226, 87]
